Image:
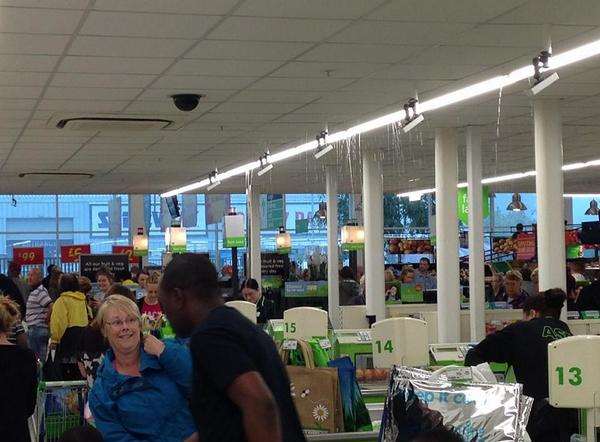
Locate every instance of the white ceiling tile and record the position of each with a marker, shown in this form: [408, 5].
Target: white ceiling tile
[47, 4]
[240, 68]
[91, 93]
[39, 21]
[164, 107]
[264, 108]
[17, 104]
[465, 11]
[198, 83]
[247, 50]
[147, 25]
[28, 63]
[84, 106]
[300, 84]
[129, 47]
[114, 65]
[208, 95]
[338, 108]
[235, 117]
[395, 33]
[307, 8]
[359, 96]
[428, 72]
[575, 12]
[328, 69]
[403, 89]
[23, 78]
[20, 91]
[101, 80]
[32, 44]
[359, 53]
[468, 55]
[219, 7]
[275, 29]
[275, 96]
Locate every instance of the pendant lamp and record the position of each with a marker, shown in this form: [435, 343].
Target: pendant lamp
[516, 205]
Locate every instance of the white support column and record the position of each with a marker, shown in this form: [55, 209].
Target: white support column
[476, 258]
[448, 282]
[254, 262]
[373, 222]
[136, 219]
[333, 288]
[549, 194]
[568, 203]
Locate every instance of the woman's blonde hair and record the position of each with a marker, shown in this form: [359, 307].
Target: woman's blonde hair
[117, 302]
[406, 271]
[85, 285]
[9, 314]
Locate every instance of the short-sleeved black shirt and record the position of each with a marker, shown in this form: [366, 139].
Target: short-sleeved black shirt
[225, 346]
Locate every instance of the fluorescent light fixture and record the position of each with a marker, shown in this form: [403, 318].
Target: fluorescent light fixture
[323, 151]
[213, 185]
[414, 123]
[264, 169]
[575, 55]
[581, 195]
[415, 196]
[544, 84]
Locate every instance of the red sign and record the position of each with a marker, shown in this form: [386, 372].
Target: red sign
[71, 253]
[571, 237]
[525, 246]
[28, 255]
[126, 250]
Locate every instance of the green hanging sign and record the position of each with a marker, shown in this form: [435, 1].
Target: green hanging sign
[462, 205]
[302, 226]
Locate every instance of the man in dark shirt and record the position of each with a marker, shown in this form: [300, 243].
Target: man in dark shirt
[589, 297]
[524, 346]
[240, 391]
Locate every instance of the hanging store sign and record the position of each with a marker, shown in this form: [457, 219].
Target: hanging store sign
[28, 255]
[462, 205]
[90, 264]
[234, 233]
[125, 250]
[71, 253]
[272, 211]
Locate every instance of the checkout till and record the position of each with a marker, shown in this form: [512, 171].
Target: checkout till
[409, 338]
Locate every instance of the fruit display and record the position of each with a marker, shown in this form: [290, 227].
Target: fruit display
[407, 246]
[505, 245]
[372, 374]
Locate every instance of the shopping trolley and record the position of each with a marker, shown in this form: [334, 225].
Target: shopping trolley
[59, 407]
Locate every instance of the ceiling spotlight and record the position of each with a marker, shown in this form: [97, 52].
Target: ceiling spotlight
[542, 82]
[413, 118]
[322, 146]
[213, 180]
[265, 164]
[516, 205]
[593, 209]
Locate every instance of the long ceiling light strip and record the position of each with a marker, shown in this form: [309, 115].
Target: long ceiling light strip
[556, 61]
[502, 178]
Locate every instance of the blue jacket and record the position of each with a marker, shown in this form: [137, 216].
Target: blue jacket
[153, 407]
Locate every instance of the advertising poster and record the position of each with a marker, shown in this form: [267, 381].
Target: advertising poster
[216, 207]
[272, 211]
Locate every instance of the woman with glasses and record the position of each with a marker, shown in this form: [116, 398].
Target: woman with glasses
[142, 387]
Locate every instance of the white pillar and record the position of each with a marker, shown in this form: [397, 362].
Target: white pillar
[373, 223]
[448, 282]
[549, 194]
[136, 219]
[476, 258]
[253, 201]
[568, 203]
[333, 288]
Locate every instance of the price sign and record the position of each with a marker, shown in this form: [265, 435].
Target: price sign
[126, 250]
[28, 255]
[71, 253]
[526, 246]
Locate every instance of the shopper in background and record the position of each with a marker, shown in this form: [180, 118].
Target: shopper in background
[39, 308]
[349, 288]
[524, 346]
[578, 270]
[241, 390]
[265, 308]
[424, 275]
[14, 273]
[142, 277]
[514, 294]
[149, 304]
[120, 289]
[18, 374]
[589, 297]
[535, 282]
[572, 292]
[534, 307]
[54, 283]
[519, 229]
[46, 280]
[67, 322]
[9, 288]
[142, 387]
[104, 279]
[85, 287]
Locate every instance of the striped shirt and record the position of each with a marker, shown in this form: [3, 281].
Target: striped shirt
[15, 332]
[37, 306]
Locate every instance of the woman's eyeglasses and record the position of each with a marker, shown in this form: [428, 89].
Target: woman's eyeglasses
[118, 323]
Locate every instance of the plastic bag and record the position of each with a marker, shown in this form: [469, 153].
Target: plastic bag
[320, 355]
[356, 415]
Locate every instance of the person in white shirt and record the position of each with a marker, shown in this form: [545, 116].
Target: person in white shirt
[39, 307]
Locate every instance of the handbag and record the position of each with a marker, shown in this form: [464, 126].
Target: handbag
[316, 393]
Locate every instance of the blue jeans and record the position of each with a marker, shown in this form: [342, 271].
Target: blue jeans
[38, 340]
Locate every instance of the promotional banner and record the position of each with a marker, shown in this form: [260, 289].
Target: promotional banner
[189, 210]
[90, 264]
[216, 206]
[233, 231]
[114, 218]
[526, 246]
[272, 211]
[125, 250]
[71, 253]
[28, 255]
[463, 203]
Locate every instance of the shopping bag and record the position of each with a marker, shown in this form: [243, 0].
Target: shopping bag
[316, 393]
[320, 355]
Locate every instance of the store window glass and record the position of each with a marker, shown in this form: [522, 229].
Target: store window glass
[506, 219]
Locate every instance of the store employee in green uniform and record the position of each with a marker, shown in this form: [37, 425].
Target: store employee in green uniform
[524, 346]
[265, 308]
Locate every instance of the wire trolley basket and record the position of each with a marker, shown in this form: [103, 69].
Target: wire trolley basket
[59, 407]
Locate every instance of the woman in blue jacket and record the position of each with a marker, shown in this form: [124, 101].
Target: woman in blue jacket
[141, 392]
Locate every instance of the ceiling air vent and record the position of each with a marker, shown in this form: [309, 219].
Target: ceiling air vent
[113, 123]
[61, 175]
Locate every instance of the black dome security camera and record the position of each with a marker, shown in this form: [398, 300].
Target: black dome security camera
[186, 102]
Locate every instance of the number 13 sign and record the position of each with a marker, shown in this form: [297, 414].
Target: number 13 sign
[28, 255]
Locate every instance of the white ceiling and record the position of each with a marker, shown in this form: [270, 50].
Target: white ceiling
[273, 73]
